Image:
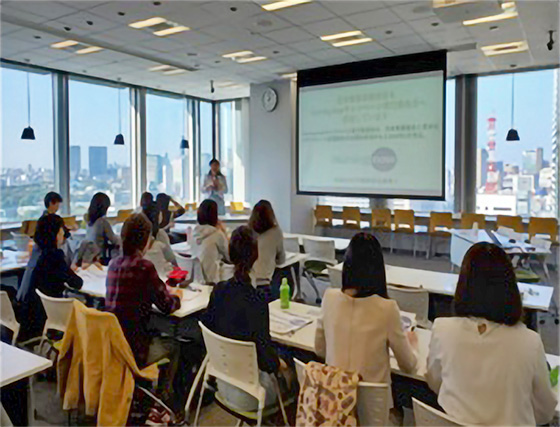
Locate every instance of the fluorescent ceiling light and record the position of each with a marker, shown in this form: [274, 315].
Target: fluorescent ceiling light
[341, 35]
[160, 68]
[175, 71]
[508, 13]
[504, 48]
[283, 4]
[292, 76]
[64, 44]
[90, 49]
[172, 30]
[237, 54]
[352, 42]
[252, 59]
[147, 22]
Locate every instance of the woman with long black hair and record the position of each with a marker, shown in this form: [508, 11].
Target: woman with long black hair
[99, 230]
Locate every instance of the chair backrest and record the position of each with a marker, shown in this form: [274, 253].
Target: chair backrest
[404, 218]
[236, 207]
[123, 214]
[58, 311]
[411, 300]
[543, 226]
[381, 218]
[335, 277]
[351, 217]
[323, 215]
[190, 206]
[513, 222]
[440, 219]
[291, 244]
[28, 227]
[373, 399]
[8, 316]
[468, 220]
[70, 221]
[426, 416]
[232, 361]
[193, 266]
[321, 249]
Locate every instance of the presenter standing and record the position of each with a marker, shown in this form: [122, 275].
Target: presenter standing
[215, 186]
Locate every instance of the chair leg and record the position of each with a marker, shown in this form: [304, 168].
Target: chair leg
[260, 413]
[429, 248]
[314, 286]
[194, 386]
[280, 402]
[297, 294]
[414, 245]
[239, 423]
[204, 385]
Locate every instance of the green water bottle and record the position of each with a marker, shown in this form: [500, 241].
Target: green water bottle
[284, 294]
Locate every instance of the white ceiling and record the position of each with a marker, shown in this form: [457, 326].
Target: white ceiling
[288, 37]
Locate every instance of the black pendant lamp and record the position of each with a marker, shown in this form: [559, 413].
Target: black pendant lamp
[512, 134]
[28, 133]
[184, 141]
[119, 139]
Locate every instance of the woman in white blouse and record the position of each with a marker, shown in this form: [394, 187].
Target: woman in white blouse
[359, 323]
[158, 250]
[486, 365]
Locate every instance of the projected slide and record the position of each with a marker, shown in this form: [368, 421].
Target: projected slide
[380, 136]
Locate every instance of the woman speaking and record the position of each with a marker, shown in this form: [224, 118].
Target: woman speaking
[215, 186]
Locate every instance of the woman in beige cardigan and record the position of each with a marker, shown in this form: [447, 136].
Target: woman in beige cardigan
[360, 323]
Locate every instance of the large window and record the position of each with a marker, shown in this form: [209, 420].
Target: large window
[96, 163]
[516, 177]
[27, 171]
[232, 148]
[206, 139]
[168, 162]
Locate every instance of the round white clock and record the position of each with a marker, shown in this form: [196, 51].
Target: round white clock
[269, 99]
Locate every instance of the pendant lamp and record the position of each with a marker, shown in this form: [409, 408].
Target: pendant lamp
[512, 134]
[28, 133]
[184, 141]
[119, 139]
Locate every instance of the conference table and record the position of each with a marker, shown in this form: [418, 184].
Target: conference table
[340, 243]
[535, 297]
[12, 263]
[304, 339]
[17, 365]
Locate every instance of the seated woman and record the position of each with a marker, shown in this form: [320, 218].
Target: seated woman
[209, 243]
[133, 286]
[486, 365]
[239, 311]
[51, 274]
[146, 200]
[359, 323]
[271, 246]
[158, 252]
[167, 216]
[99, 230]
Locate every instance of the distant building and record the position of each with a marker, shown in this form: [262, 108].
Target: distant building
[481, 167]
[496, 204]
[154, 170]
[546, 178]
[75, 161]
[532, 161]
[510, 169]
[97, 161]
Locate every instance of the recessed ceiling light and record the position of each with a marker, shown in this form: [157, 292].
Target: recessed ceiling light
[150, 22]
[172, 30]
[64, 44]
[509, 12]
[252, 59]
[238, 54]
[89, 49]
[352, 42]
[341, 35]
[160, 68]
[283, 4]
[175, 71]
[505, 48]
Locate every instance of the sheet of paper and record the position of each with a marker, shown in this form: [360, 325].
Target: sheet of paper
[283, 322]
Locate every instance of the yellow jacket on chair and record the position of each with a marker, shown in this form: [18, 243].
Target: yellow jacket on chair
[96, 366]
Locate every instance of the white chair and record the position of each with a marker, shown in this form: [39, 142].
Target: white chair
[193, 266]
[426, 416]
[8, 316]
[321, 254]
[373, 399]
[291, 244]
[335, 277]
[235, 362]
[58, 313]
[415, 301]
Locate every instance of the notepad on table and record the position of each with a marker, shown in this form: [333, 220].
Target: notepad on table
[283, 322]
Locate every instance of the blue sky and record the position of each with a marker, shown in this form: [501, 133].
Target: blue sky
[95, 120]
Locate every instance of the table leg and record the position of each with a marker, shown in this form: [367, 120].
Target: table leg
[297, 294]
[30, 403]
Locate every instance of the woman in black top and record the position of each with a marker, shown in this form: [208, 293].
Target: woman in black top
[162, 201]
[237, 310]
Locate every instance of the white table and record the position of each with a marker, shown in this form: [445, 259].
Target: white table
[340, 244]
[535, 297]
[195, 297]
[16, 365]
[10, 262]
[228, 218]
